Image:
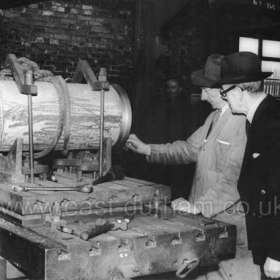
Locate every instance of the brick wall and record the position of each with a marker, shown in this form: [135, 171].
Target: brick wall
[56, 34]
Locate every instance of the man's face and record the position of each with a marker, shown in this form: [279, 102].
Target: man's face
[234, 97]
[212, 96]
[173, 89]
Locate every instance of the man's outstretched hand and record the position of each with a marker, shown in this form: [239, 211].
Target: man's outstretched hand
[136, 145]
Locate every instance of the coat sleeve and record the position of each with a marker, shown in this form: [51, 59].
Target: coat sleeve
[178, 152]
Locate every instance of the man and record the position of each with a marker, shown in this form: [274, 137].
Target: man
[259, 183]
[176, 111]
[169, 121]
[175, 120]
[217, 148]
[172, 112]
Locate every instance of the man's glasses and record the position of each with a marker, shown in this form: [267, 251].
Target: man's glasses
[224, 92]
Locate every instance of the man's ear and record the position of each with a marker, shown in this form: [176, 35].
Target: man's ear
[241, 94]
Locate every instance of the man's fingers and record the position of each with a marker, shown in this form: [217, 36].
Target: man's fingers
[184, 209]
[272, 275]
[186, 206]
[272, 268]
[131, 144]
[177, 201]
[132, 137]
[182, 206]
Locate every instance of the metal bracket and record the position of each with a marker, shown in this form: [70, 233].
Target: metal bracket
[84, 70]
[101, 84]
[19, 76]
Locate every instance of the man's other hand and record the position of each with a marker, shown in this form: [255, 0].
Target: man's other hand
[272, 268]
[181, 204]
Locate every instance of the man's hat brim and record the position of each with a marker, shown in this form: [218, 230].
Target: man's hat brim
[200, 80]
[244, 79]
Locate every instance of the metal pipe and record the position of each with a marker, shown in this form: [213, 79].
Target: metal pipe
[102, 97]
[3, 268]
[29, 81]
[102, 78]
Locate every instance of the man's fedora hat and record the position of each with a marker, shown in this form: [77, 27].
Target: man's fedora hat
[241, 67]
[209, 76]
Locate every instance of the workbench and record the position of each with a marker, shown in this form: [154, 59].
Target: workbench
[155, 242]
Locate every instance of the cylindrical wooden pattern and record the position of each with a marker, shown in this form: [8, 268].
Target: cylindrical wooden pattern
[84, 120]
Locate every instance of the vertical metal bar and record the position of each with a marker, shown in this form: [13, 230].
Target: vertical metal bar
[29, 81]
[3, 269]
[102, 97]
[108, 151]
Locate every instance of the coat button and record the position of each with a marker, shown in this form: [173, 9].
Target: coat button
[263, 192]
